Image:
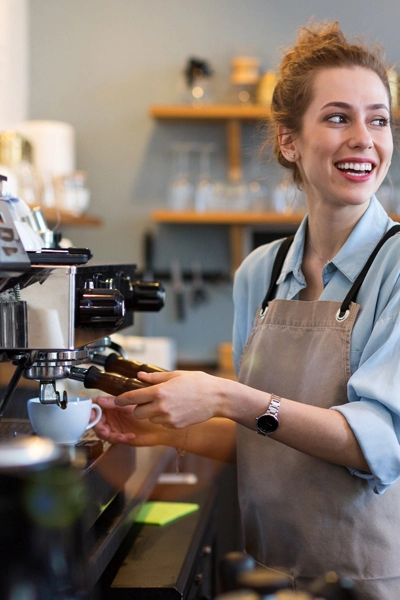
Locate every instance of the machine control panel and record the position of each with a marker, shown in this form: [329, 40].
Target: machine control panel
[13, 259]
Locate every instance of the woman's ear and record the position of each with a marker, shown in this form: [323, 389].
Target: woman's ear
[286, 143]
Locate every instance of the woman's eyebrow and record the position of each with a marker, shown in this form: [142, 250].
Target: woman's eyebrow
[338, 104]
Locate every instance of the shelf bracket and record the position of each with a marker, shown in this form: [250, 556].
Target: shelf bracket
[236, 247]
[234, 140]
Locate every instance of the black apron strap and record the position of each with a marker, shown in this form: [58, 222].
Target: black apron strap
[352, 295]
[276, 270]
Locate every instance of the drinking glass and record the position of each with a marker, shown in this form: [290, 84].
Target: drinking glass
[287, 198]
[180, 190]
[204, 192]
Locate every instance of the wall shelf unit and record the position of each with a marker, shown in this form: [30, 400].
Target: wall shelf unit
[232, 114]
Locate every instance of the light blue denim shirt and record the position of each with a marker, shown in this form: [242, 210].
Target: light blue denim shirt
[373, 411]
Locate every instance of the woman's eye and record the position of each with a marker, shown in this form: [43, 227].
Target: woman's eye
[380, 122]
[336, 119]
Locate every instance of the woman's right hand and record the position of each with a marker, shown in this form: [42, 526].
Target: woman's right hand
[118, 425]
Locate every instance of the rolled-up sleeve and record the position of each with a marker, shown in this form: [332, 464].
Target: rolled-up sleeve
[373, 411]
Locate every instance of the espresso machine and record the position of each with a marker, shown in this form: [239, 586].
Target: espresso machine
[57, 313]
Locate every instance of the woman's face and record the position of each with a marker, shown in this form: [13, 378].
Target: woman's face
[345, 145]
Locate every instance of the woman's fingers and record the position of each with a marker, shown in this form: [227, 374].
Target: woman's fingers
[104, 401]
[155, 377]
[151, 393]
[182, 398]
[108, 403]
[121, 438]
[102, 430]
[143, 395]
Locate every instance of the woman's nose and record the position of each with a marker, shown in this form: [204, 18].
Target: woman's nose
[360, 136]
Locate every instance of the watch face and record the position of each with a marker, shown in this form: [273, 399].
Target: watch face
[267, 424]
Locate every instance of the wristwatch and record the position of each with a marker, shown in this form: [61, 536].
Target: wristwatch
[268, 422]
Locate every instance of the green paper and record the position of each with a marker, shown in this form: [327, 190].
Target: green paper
[160, 513]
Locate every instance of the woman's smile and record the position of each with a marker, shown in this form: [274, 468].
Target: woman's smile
[353, 167]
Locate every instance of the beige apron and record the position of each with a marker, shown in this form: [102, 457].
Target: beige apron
[301, 513]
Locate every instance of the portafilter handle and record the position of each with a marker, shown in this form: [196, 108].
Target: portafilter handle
[93, 378]
[128, 368]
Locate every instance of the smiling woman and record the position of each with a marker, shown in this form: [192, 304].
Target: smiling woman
[316, 342]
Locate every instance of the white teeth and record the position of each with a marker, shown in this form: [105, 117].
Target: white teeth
[366, 167]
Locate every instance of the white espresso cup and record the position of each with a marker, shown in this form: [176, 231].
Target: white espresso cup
[63, 426]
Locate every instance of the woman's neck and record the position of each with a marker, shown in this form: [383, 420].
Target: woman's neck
[328, 229]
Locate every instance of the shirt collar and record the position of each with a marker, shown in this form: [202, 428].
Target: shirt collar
[294, 257]
[354, 253]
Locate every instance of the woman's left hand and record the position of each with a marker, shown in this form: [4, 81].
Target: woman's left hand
[118, 425]
[176, 399]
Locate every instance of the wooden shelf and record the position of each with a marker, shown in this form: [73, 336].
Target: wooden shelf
[225, 218]
[190, 217]
[221, 112]
[53, 216]
[231, 114]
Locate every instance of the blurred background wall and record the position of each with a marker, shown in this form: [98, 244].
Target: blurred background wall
[99, 64]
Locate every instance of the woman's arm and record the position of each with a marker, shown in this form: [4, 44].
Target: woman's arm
[319, 432]
[180, 399]
[215, 438]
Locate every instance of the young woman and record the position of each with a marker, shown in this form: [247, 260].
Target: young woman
[316, 342]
